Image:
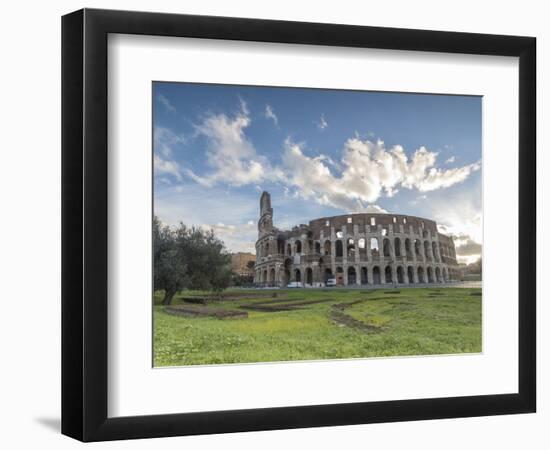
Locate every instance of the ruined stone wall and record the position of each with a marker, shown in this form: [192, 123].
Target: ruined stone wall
[356, 249]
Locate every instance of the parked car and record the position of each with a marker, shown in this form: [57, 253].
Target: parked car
[331, 282]
[294, 284]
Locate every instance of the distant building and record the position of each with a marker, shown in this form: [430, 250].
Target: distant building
[354, 249]
[243, 264]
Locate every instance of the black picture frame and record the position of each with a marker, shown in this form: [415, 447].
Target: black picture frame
[84, 224]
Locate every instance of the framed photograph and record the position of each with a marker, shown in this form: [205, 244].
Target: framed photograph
[273, 224]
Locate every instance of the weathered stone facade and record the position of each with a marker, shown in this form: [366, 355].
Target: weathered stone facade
[355, 249]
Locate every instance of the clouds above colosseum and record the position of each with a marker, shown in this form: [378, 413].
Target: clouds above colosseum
[365, 171]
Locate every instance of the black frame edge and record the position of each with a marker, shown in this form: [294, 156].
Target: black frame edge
[84, 224]
[72, 252]
[527, 171]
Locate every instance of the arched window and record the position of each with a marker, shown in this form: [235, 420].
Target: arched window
[364, 276]
[386, 245]
[309, 276]
[339, 249]
[410, 274]
[400, 275]
[352, 275]
[430, 275]
[376, 275]
[408, 251]
[397, 246]
[327, 247]
[361, 243]
[298, 246]
[421, 275]
[388, 274]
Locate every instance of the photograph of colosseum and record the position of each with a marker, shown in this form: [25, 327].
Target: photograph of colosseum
[294, 224]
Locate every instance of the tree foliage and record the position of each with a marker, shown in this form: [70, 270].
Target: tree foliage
[188, 258]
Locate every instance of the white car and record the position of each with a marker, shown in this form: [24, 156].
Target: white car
[294, 284]
[331, 282]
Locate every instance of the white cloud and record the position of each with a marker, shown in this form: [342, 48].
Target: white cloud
[372, 208]
[450, 160]
[461, 218]
[231, 157]
[236, 238]
[369, 171]
[322, 124]
[270, 114]
[166, 167]
[166, 141]
[166, 103]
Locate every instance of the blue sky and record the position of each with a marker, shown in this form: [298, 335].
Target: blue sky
[318, 152]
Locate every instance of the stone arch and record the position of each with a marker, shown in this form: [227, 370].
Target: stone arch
[318, 248]
[445, 275]
[309, 276]
[426, 249]
[272, 275]
[339, 248]
[328, 274]
[388, 274]
[298, 275]
[264, 276]
[364, 276]
[376, 275]
[397, 246]
[352, 275]
[298, 246]
[289, 249]
[386, 247]
[438, 274]
[421, 275]
[327, 247]
[400, 275]
[430, 273]
[410, 274]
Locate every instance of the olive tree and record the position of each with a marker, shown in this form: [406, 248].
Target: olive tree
[188, 258]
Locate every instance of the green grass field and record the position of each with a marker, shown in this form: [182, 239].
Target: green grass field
[344, 324]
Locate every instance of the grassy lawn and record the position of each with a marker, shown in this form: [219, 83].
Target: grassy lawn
[345, 324]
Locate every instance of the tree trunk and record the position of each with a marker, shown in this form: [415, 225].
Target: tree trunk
[168, 296]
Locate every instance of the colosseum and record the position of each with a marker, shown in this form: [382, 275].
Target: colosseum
[353, 249]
